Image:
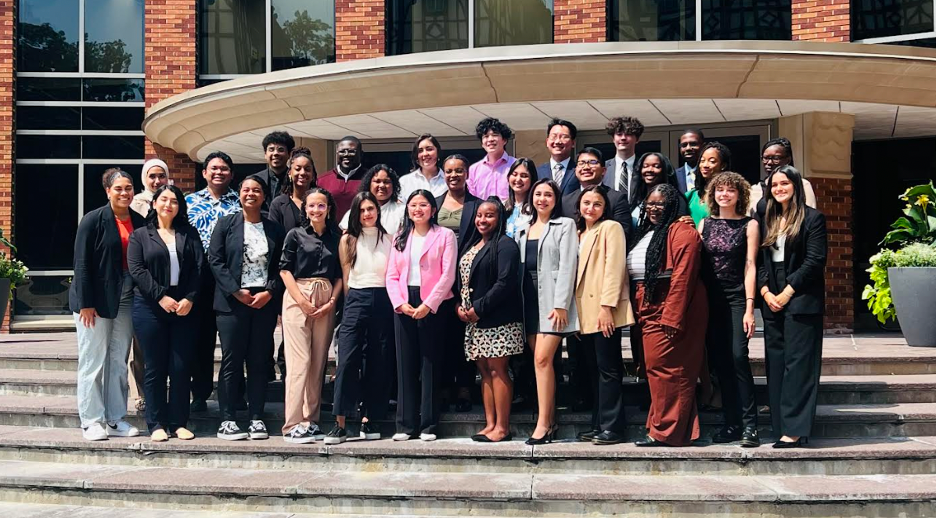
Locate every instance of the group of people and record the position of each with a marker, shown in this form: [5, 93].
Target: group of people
[453, 264]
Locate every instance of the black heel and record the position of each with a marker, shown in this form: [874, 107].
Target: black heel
[545, 439]
[802, 441]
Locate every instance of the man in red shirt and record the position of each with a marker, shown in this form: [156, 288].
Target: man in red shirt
[343, 181]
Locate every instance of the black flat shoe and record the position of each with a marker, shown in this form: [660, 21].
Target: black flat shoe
[727, 434]
[649, 442]
[588, 436]
[792, 444]
[750, 438]
[485, 438]
[607, 437]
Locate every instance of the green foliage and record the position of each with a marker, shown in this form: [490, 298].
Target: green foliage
[917, 255]
[10, 268]
[918, 225]
[878, 293]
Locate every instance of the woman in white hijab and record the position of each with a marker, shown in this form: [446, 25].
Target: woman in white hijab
[155, 174]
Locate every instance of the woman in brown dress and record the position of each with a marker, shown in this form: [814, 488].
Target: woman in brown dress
[672, 312]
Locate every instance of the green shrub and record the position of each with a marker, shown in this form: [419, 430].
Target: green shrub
[878, 293]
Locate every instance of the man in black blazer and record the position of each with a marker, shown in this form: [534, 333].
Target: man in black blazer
[277, 147]
[590, 171]
[625, 133]
[560, 142]
[690, 143]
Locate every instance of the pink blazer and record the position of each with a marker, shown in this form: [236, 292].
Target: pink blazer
[437, 266]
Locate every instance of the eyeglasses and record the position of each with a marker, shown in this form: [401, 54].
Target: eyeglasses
[317, 206]
[772, 159]
[560, 138]
[582, 163]
[656, 204]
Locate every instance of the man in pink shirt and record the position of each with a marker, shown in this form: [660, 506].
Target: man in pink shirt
[488, 176]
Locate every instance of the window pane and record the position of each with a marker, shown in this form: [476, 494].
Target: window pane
[302, 32]
[652, 20]
[112, 118]
[426, 25]
[929, 43]
[48, 146]
[746, 20]
[112, 147]
[48, 89]
[233, 36]
[48, 36]
[43, 296]
[877, 18]
[114, 36]
[113, 90]
[46, 215]
[48, 118]
[513, 22]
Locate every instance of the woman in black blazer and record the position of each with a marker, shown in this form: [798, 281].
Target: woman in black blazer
[489, 285]
[244, 256]
[101, 298]
[166, 261]
[790, 278]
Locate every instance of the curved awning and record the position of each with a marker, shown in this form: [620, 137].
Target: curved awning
[891, 89]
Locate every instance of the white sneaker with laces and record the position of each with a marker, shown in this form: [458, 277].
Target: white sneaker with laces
[95, 432]
[401, 436]
[257, 430]
[121, 429]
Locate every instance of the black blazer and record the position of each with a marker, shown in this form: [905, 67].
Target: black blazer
[495, 284]
[466, 229]
[99, 273]
[148, 258]
[620, 209]
[804, 262]
[226, 258]
[285, 212]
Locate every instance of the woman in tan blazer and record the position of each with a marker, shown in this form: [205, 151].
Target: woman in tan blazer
[602, 296]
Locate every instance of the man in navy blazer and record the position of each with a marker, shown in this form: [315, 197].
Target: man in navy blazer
[560, 142]
[690, 143]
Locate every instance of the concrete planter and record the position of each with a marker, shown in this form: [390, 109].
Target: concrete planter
[914, 294]
[4, 296]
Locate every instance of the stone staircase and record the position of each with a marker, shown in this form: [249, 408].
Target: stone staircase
[873, 453]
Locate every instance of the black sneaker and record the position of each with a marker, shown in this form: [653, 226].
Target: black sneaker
[299, 435]
[229, 431]
[337, 435]
[369, 432]
[258, 430]
[588, 436]
[316, 432]
[750, 438]
[727, 434]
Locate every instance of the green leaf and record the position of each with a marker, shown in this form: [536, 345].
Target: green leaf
[902, 223]
[927, 188]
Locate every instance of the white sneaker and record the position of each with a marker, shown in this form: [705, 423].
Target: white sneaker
[401, 436]
[427, 437]
[95, 432]
[122, 429]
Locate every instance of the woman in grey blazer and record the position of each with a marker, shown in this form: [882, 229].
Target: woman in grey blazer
[548, 261]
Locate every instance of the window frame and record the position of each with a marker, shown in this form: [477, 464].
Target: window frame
[698, 23]
[896, 38]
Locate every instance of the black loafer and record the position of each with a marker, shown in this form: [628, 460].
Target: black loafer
[750, 438]
[608, 437]
[794, 444]
[727, 434]
[588, 436]
[649, 442]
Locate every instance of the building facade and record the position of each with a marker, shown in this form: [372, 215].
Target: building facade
[91, 84]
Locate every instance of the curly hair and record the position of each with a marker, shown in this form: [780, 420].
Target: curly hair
[279, 137]
[656, 250]
[287, 187]
[731, 180]
[495, 125]
[372, 172]
[626, 125]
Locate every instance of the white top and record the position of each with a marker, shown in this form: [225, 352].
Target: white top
[391, 214]
[416, 180]
[619, 170]
[637, 258]
[416, 246]
[256, 251]
[370, 267]
[173, 264]
[776, 252]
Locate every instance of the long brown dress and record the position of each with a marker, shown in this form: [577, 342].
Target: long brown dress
[673, 364]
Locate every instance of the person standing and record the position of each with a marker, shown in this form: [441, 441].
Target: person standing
[101, 300]
[622, 177]
[420, 274]
[731, 240]
[690, 144]
[277, 152]
[384, 183]
[589, 171]
[654, 169]
[790, 279]
[775, 154]
[343, 181]
[560, 142]
[549, 259]
[244, 256]
[714, 158]
[520, 178]
[427, 168]
[205, 208]
[165, 260]
[488, 176]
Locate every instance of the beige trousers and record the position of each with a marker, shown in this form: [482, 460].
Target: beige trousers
[136, 371]
[307, 341]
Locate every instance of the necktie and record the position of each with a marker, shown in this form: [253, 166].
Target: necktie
[622, 181]
[558, 171]
[690, 180]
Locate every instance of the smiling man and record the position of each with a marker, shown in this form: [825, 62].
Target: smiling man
[276, 149]
[560, 142]
[488, 176]
[343, 181]
[690, 143]
[590, 171]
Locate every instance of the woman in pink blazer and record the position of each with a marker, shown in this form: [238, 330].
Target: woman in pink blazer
[420, 275]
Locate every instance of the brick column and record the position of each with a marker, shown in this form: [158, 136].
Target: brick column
[7, 89]
[170, 66]
[359, 29]
[821, 20]
[580, 21]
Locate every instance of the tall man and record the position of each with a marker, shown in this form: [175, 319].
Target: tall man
[625, 133]
[488, 176]
[276, 149]
[560, 142]
[690, 143]
[343, 181]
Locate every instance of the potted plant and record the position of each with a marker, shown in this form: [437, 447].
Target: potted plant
[12, 273]
[903, 281]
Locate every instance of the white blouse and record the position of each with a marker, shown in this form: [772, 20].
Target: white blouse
[637, 258]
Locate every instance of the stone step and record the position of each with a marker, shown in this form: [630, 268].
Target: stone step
[482, 493]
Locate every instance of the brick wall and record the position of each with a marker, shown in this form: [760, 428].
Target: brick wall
[834, 197]
[579, 21]
[7, 88]
[821, 20]
[170, 66]
[359, 29]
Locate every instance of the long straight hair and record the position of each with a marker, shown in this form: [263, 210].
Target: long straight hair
[180, 219]
[557, 196]
[400, 242]
[794, 214]
[355, 229]
[512, 200]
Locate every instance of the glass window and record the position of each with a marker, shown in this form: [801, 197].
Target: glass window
[47, 210]
[48, 89]
[112, 147]
[48, 146]
[113, 90]
[43, 296]
[114, 36]
[121, 119]
[513, 22]
[929, 43]
[651, 20]
[746, 20]
[48, 118]
[232, 36]
[879, 18]
[302, 33]
[48, 36]
[426, 25]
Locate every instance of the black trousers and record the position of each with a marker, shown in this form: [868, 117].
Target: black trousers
[418, 355]
[168, 343]
[793, 346]
[458, 373]
[363, 348]
[246, 335]
[727, 346]
[202, 366]
[603, 355]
